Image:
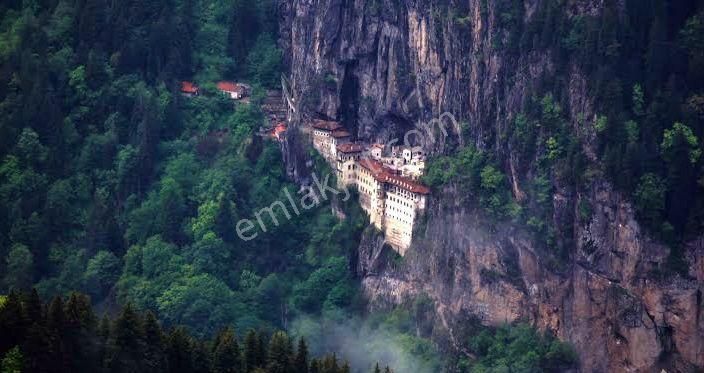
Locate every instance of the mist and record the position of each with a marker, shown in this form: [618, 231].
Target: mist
[364, 343]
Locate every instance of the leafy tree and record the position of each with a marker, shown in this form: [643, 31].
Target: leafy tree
[12, 362]
[20, 267]
[102, 272]
[264, 62]
[650, 197]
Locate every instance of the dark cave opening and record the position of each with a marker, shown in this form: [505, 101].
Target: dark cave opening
[349, 99]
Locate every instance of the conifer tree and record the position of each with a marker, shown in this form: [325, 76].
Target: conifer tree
[279, 359]
[34, 308]
[376, 368]
[13, 322]
[301, 360]
[155, 357]
[252, 357]
[127, 342]
[314, 366]
[56, 317]
[180, 351]
[103, 342]
[37, 350]
[226, 353]
[12, 362]
[262, 350]
[200, 358]
[329, 364]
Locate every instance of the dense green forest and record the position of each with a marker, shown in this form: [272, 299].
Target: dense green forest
[66, 336]
[114, 185]
[644, 66]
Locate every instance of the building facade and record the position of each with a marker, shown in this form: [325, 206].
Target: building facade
[387, 185]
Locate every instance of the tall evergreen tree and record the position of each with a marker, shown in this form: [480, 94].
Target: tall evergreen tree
[154, 352]
[127, 345]
[279, 359]
[179, 351]
[301, 361]
[252, 353]
[226, 353]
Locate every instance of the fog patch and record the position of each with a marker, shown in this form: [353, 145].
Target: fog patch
[364, 345]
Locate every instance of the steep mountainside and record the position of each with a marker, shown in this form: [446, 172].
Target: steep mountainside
[381, 66]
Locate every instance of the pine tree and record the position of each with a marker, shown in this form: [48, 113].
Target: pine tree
[155, 357]
[127, 343]
[329, 364]
[314, 366]
[301, 361]
[56, 317]
[35, 308]
[376, 368]
[200, 358]
[12, 362]
[262, 350]
[226, 353]
[56, 327]
[103, 342]
[13, 322]
[37, 350]
[252, 357]
[279, 359]
[180, 351]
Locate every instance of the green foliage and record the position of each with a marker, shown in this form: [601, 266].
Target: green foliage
[12, 362]
[649, 198]
[19, 269]
[264, 62]
[680, 138]
[102, 272]
[519, 348]
[135, 341]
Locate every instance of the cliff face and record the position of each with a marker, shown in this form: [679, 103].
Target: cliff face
[381, 66]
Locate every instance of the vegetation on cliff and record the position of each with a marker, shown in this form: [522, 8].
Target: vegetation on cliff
[643, 65]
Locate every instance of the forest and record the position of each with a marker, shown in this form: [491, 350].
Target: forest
[67, 336]
[119, 198]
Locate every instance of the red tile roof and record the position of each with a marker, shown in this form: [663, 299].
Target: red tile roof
[325, 125]
[350, 148]
[384, 175]
[340, 134]
[229, 86]
[189, 87]
[406, 183]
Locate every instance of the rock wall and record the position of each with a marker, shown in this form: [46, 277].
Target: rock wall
[380, 66]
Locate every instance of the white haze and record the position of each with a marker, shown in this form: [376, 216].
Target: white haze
[360, 344]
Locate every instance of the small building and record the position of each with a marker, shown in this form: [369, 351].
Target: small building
[189, 89]
[326, 136]
[377, 150]
[347, 157]
[232, 90]
[338, 137]
[279, 131]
